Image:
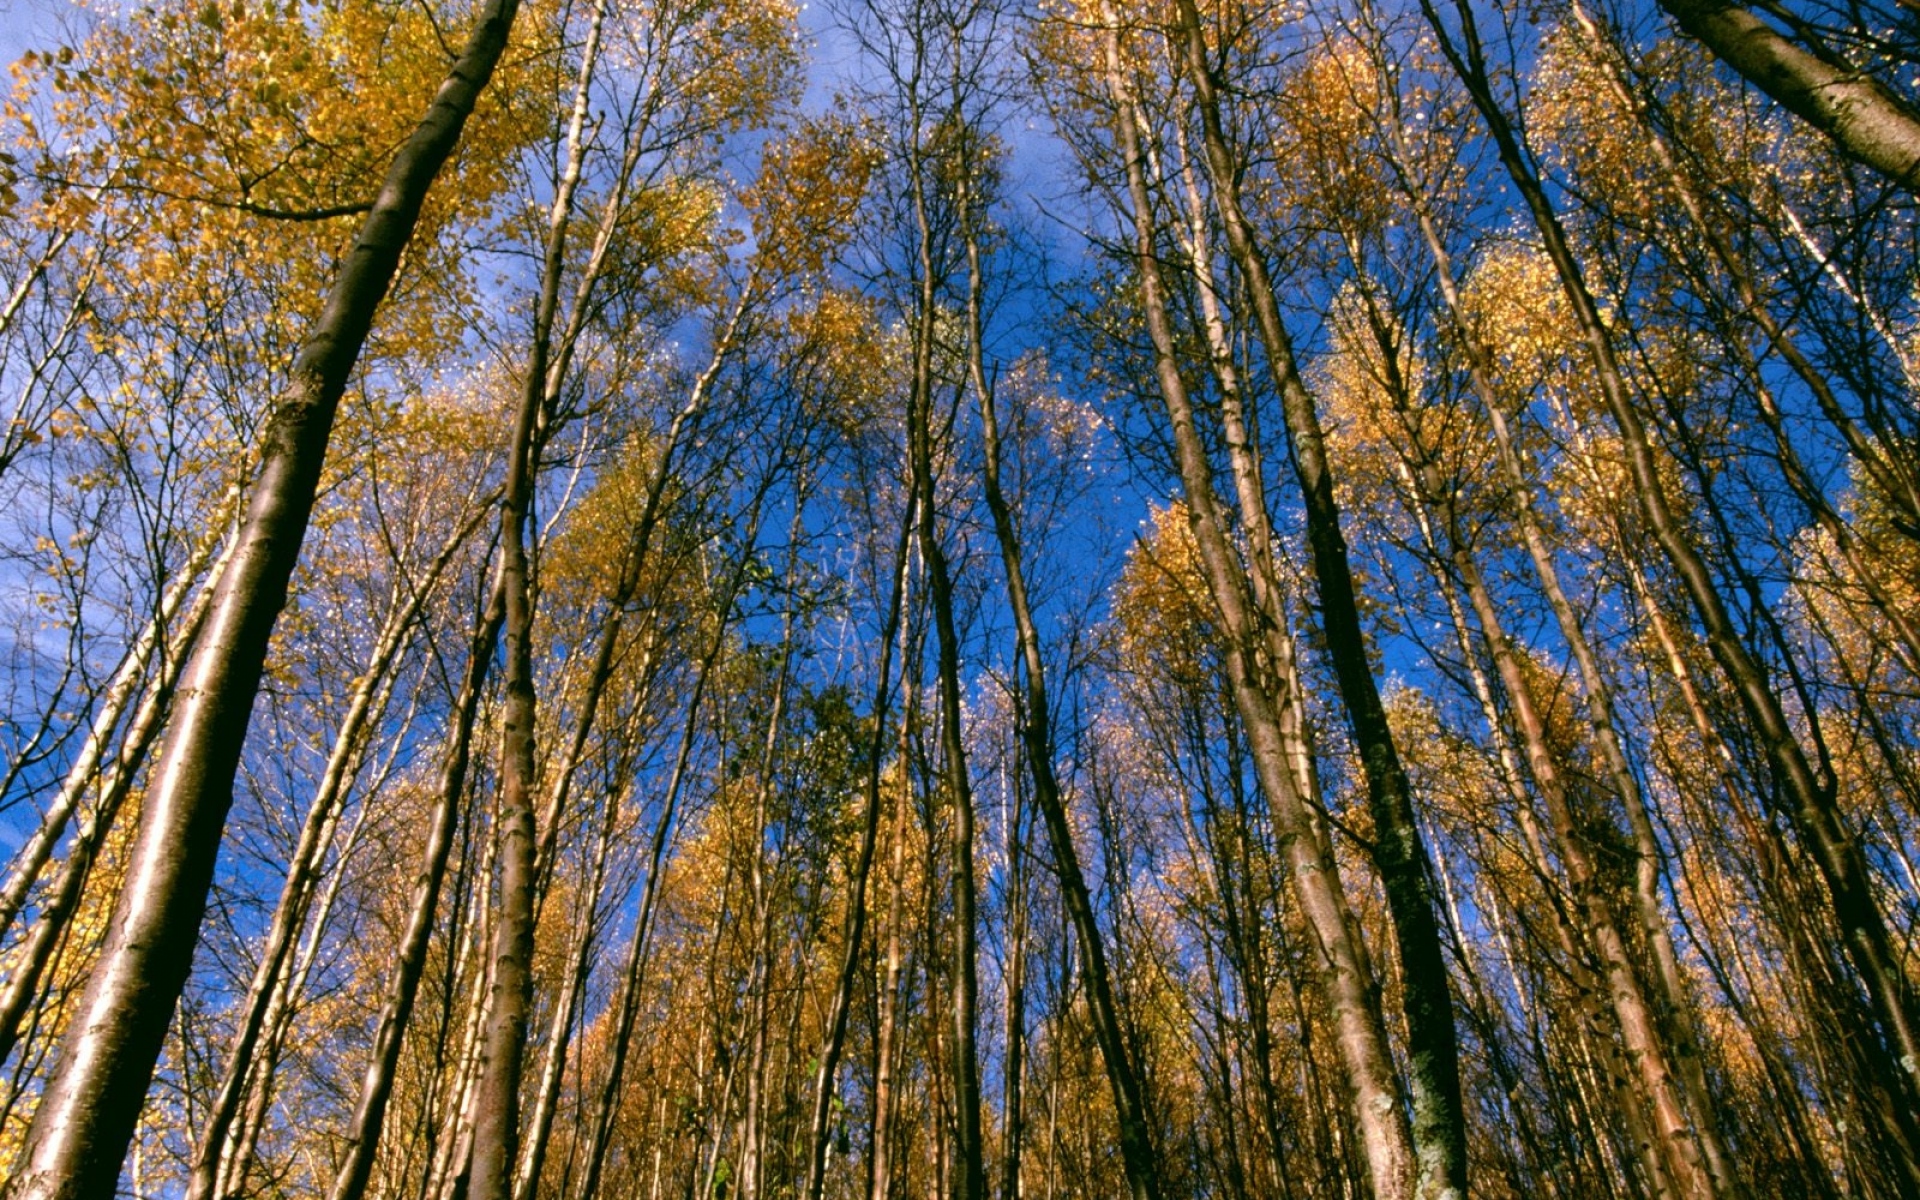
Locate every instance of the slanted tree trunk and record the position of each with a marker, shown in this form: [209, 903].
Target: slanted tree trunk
[1263, 690]
[1398, 850]
[1867, 120]
[1808, 789]
[92, 1101]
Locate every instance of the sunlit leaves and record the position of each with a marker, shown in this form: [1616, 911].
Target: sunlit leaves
[811, 186]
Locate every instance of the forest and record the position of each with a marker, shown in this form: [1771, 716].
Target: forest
[980, 599]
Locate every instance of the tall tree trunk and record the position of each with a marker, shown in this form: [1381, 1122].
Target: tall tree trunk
[1399, 853]
[1243, 934]
[92, 1101]
[1262, 685]
[969, 1181]
[1809, 788]
[496, 1124]
[497, 1110]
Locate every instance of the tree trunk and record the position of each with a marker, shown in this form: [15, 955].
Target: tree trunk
[969, 1181]
[1868, 121]
[1399, 853]
[87, 1114]
[1809, 790]
[1261, 686]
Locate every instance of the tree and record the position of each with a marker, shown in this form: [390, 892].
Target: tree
[1811, 78]
[86, 1116]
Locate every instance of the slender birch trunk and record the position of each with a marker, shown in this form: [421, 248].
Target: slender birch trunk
[1809, 788]
[92, 1101]
[1399, 853]
[969, 1181]
[1261, 686]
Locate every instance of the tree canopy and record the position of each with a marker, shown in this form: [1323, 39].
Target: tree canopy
[715, 598]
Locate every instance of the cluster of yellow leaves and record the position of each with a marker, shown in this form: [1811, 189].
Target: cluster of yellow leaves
[210, 160]
[727, 64]
[1513, 308]
[278, 112]
[1456, 780]
[811, 184]
[851, 354]
[1163, 616]
[664, 247]
[1331, 165]
[1375, 410]
[584, 561]
[1576, 113]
